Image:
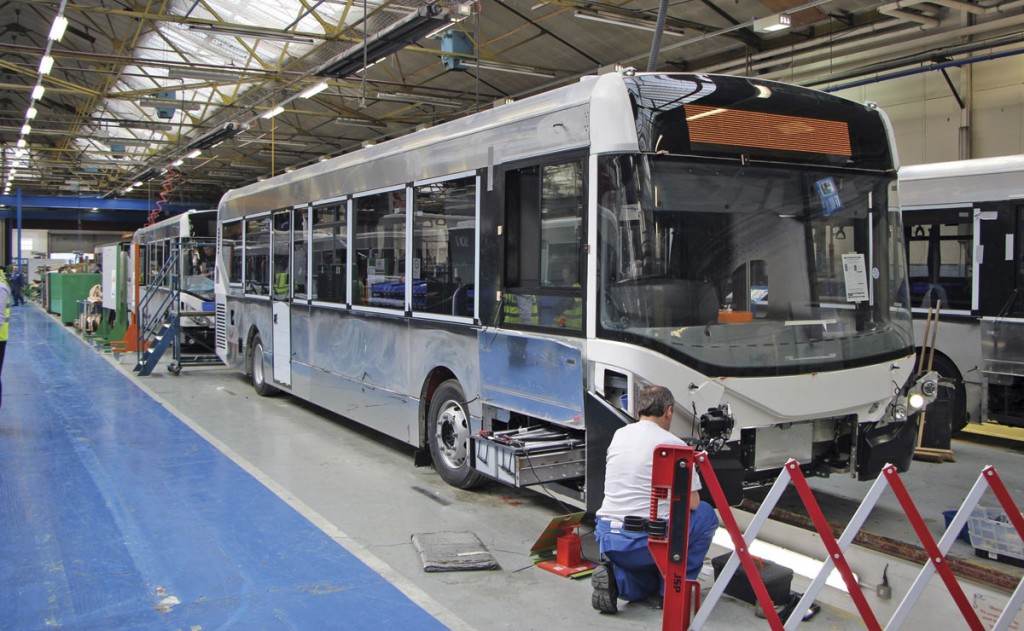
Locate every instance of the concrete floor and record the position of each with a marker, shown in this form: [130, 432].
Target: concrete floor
[363, 491]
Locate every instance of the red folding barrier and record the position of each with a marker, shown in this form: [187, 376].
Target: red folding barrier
[670, 478]
[670, 482]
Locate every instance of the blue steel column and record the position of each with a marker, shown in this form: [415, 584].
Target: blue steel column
[18, 249]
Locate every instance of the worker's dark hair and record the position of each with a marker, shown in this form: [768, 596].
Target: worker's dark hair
[654, 400]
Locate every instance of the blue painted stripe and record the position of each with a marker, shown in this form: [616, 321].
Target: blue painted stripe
[109, 504]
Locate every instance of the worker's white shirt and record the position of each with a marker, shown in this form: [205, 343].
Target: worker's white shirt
[627, 481]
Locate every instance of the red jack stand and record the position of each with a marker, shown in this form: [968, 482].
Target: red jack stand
[567, 547]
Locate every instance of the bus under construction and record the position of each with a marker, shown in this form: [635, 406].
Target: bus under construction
[187, 242]
[496, 289]
[964, 224]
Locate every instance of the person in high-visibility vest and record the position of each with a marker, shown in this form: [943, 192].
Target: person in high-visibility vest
[520, 309]
[5, 300]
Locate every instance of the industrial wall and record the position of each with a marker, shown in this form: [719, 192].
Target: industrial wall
[928, 121]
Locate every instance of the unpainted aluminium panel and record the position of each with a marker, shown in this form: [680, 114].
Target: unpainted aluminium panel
[541, 125]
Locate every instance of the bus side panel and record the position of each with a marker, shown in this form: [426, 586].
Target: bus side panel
[536, 376]
[371, 368]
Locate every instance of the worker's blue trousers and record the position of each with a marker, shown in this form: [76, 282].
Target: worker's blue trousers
[636, 574]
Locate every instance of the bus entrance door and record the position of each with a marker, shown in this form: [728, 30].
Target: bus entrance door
[282, 342]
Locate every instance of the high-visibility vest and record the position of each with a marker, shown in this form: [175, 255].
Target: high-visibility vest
[513, 314]
[281, 284]
[7, 318]
[572, 318]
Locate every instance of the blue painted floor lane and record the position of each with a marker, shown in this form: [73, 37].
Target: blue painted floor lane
[115, 515]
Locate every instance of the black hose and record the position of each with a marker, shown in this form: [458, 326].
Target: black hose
[659, 30]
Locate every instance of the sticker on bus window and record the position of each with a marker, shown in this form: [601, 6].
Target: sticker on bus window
[828, 193]
[855, 275]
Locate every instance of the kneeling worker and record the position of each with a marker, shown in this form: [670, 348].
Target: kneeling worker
[628, 571]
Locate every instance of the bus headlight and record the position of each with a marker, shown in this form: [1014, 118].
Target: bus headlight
[923, 391]
[916, 400]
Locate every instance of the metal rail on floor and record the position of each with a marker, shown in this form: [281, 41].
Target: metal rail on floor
[670, 480]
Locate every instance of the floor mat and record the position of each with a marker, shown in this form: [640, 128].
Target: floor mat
[453, 552]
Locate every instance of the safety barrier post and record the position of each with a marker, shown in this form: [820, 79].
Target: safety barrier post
[669, 543]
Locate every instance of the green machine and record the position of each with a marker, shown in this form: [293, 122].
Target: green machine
[65, 290]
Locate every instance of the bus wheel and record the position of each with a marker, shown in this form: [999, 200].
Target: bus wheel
[257, 370]
[448, 434]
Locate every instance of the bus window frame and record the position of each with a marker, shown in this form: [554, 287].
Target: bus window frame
[407, 270]
[346, 201]
[307, 209]
[583, 257]
[245, 233]
[290, 214]
[410, 231]
[241, 222]
[908, 212]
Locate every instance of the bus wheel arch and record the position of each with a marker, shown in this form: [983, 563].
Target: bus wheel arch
[256, 369]
[952, 390]
[447, 430]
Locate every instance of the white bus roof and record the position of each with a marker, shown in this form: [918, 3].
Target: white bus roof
[962, 182]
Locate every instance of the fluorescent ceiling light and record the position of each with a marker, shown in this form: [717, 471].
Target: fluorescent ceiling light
[417, 100]
[178, 162]
[31, 112]
[312, 91]
[513, 68]
[246, 165]
[26, 129]
[200, 73]
[60, 24]
[623, 20]
[279, 143]
[771, 23]
[144, 125]
[134, 142]
[359, 122]
[38, 92]
[169, 103]
[195, 153]
[22, 143]
[252, 31]
[45, 65]
[272, 113]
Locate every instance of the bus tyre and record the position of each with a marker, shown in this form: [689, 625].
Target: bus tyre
[258, 370]
[448, 434]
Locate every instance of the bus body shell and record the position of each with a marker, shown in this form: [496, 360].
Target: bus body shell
[395, 369]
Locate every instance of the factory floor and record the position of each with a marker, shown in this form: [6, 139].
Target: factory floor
[188, 502]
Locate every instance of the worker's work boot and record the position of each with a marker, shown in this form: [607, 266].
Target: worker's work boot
[606, 592]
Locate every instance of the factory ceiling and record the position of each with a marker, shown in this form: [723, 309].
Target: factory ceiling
[184, 99]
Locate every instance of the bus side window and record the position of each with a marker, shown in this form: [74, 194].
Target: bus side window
[257, 256]
[282, 255]
[231, 250]
[444, 247]
[380, 249]
[299, 251]
[330, 232]
[544, 236]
